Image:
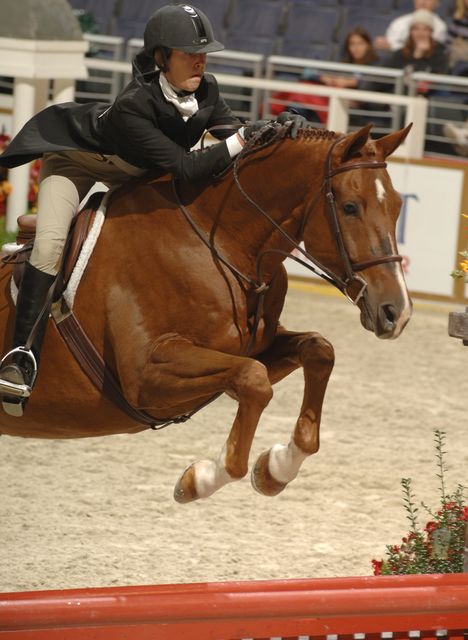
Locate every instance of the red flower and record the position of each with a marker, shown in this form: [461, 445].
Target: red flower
[449, 505]
[431, 526]
[465, 513]
[377, 564]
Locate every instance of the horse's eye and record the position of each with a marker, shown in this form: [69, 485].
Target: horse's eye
[351, 208]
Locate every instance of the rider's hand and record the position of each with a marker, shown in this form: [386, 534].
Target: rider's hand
[298, 121]
[253, 127]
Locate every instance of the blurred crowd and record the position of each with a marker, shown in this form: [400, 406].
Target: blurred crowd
[420, 40]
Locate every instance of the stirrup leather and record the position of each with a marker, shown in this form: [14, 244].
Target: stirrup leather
[12, 388]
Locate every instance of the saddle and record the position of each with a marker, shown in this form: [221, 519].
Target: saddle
[79, 229]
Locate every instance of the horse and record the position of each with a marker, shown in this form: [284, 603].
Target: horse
[183, 293]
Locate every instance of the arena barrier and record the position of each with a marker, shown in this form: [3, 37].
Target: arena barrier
[417, 606]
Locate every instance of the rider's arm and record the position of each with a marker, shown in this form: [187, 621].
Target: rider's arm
[142, 143]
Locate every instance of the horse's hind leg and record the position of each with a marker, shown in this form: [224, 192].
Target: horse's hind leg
[279, 465]
[180, 373]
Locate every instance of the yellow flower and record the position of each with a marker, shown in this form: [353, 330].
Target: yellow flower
[464, 266]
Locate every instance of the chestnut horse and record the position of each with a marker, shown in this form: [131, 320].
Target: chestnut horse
[170, 297]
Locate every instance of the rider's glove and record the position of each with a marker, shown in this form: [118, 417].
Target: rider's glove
[285, 117]
[298, 121]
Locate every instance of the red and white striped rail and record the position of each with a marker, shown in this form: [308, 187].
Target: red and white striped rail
[419, 606]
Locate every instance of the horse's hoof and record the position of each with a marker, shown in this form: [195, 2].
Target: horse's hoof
[185, 491]
[262, 480]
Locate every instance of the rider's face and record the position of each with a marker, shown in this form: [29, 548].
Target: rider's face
[186, 69]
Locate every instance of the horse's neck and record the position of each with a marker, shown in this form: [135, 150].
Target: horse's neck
[278, 186]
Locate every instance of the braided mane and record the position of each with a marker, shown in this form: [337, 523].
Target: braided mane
[273, 132]
[314, 134]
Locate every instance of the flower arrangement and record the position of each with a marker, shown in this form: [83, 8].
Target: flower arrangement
[462, 269]
[439, 546]
[5, 186]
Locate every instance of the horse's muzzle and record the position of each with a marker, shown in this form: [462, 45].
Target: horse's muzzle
[387, 322]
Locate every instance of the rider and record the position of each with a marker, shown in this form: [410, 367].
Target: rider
[152, 125]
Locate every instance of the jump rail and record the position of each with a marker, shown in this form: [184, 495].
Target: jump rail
[417, 606]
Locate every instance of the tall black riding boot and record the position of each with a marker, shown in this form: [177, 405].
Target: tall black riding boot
[18, 370]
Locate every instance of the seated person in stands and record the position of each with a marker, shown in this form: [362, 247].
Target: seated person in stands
[458, 136]
[357, 49]
[421, 52]
[398, 30]
[457, 42]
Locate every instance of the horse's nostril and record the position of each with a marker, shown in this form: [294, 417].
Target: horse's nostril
[388, 316]
[390, 312]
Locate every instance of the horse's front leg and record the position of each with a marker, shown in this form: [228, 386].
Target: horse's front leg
[184, 376]
[279, 465]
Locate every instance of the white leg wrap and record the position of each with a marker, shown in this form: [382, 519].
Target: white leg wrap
[210, 475]
[285, 461]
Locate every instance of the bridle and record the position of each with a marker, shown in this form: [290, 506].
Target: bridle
[351, 269]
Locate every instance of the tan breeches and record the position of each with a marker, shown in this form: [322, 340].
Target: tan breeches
[65, 180]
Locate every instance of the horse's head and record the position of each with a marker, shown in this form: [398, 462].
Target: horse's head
[355, 235]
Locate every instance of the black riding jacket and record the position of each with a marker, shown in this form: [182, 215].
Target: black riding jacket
[140, 126]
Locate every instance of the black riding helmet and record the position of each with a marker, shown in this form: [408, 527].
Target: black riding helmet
[182, 27]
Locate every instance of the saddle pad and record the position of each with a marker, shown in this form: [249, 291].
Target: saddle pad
[86, 251]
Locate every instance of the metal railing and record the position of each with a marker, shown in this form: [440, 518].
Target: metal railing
[102, 84]
[447, 97]
[310, 71]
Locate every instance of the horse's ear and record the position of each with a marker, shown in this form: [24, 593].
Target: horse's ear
[353, 143]
[388, 144]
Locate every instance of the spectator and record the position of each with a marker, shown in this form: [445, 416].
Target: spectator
[398, 30]
[357, 49]
[458, 39]
[421, 52]
[458, 136]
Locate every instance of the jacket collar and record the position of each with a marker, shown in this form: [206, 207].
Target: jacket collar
[201, 93]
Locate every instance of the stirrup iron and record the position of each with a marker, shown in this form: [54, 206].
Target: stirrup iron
[12, 388]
